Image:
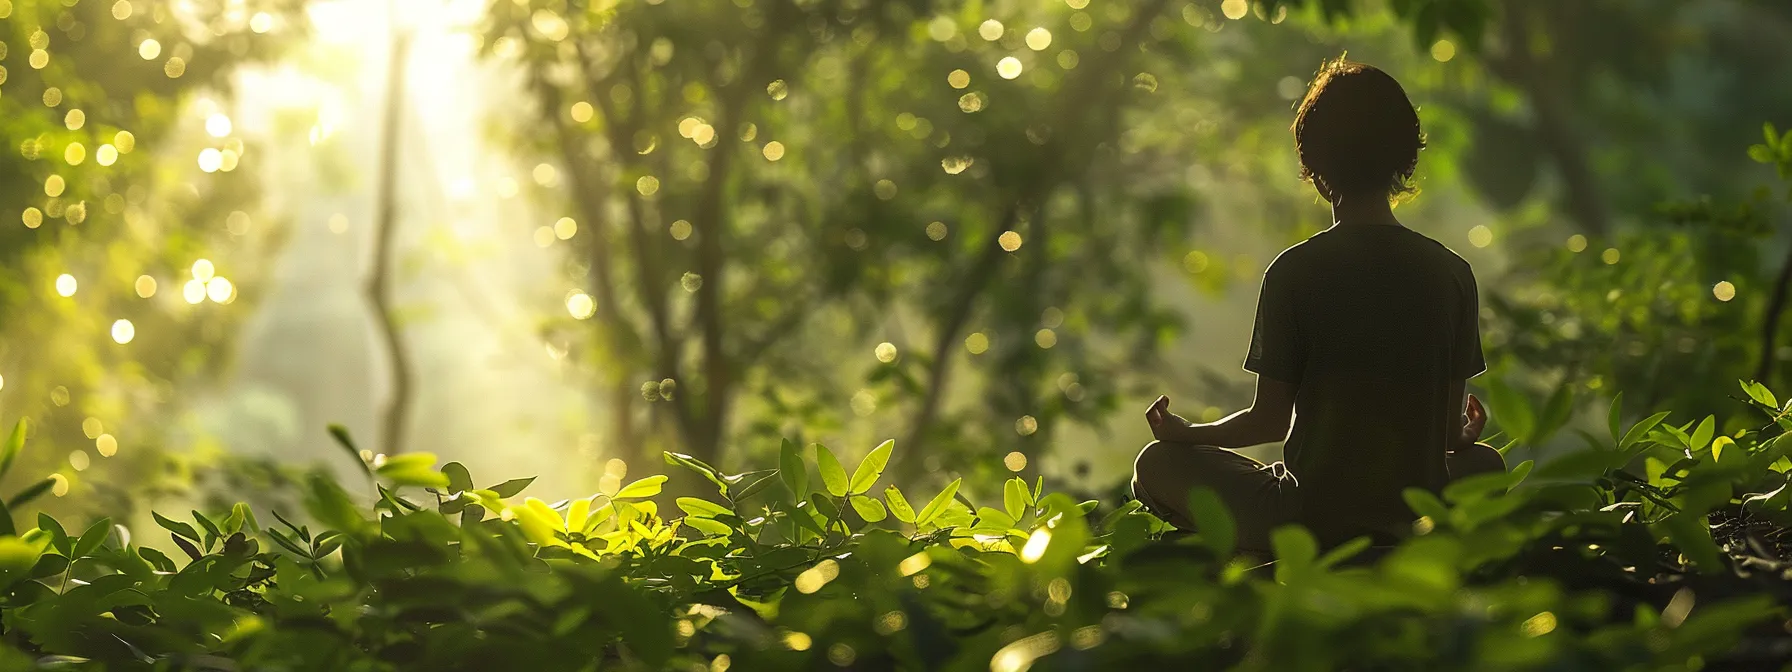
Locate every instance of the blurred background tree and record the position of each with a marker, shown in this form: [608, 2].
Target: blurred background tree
[132, 226]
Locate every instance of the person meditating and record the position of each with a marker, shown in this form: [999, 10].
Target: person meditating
[1366, 334]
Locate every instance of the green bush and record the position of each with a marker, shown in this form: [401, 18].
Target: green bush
[1601, 559]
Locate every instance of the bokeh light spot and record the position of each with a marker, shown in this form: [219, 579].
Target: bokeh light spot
[1009, 67]
[1443, 51]
[1724, 291]
[976, 343]
[123, 331]
[580, 305]
[1009, 240]
[1480, 236]
[1026, 425]
[990, 30]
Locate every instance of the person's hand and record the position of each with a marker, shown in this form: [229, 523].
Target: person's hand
[1473, 421]
[1166, 426]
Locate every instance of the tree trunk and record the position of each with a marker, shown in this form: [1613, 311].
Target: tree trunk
[379, 290]
[1770, 322]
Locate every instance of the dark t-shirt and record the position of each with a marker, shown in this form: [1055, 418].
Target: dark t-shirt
[1373, 324]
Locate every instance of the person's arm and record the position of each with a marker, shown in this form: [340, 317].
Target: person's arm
[1266, 421]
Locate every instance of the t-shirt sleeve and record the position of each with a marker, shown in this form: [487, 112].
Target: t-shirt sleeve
[1276, 349]
[1470, 362]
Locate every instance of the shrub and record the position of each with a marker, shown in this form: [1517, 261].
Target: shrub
[1580, 563]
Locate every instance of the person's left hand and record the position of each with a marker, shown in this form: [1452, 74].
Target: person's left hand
[1166, 426]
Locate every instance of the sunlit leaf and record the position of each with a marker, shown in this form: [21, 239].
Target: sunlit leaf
[938, 504]
[792, 470]
[1014, 498]
[833, 476]
[899, 506]
[646, 487]
[869, 509]
[701, 508]
[871, 468]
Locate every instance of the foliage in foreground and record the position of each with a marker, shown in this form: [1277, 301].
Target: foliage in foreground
[1602, 559]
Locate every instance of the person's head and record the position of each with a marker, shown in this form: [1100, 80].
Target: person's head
[1357, 134]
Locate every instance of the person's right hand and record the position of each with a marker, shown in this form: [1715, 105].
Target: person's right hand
[1474, 419]
[1166, 426]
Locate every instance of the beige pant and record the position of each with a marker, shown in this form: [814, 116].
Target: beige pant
[1260, 496]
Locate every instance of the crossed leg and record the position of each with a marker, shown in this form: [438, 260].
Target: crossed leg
[1260, 496]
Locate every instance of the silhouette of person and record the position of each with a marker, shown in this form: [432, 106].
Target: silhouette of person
[1365, 336]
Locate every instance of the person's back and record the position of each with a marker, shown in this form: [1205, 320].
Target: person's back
[1381, 325]
[1364, 338]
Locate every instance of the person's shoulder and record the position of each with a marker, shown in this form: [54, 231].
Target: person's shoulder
[1445, 254]
[1296, 255]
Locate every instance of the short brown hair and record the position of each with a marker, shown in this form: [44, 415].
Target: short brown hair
[1356, 132]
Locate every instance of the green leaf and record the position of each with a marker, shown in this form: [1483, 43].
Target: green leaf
[1762, 154]
[1014, 497]
[993, 519]
[702, 508]
[210, 527]
[1556, 413]
[511, 488]
[1511, 410]
[1218, 530]
[175, 526]
[1772, 134]
[646, 487]
[30, 494]
[1613, 416]
[899, 505]
[413, 469]
[1701, 435]
[869, 509]
[710, 527]
[459, 479]
[340, 434]
[792, 470]
[1422, 502]
[1640, 430]
[1295, 551]
[6, 526]
[92, 538]
[756, 482]
[938, 505]
[14, 444]
[699, 466]
[1717, 448]
[832, 474]
[1760, 394]
[58, 538]
[871, 468]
